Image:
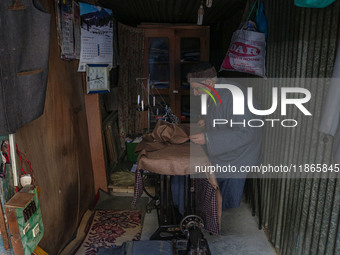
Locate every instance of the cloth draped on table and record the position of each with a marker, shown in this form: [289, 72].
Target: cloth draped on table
[167, 151]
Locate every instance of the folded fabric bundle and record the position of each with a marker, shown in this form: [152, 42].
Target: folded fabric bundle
[171, 133]
[167, 150]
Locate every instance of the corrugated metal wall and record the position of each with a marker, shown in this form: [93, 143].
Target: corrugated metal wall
[301, 215]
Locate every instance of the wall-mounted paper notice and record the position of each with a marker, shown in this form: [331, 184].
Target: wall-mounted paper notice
[96, 36]
[76, 29]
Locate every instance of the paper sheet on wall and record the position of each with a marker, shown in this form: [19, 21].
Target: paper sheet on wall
[65, 29]
[76, 29]
[96, 36]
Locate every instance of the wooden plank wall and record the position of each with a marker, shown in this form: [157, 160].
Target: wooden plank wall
[57, 145]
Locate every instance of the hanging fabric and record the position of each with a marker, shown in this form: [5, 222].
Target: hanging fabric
[24, 58]
[131, 52]
[313, 3]
[261, 20]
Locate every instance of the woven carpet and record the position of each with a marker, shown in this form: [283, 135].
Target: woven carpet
[111, 228]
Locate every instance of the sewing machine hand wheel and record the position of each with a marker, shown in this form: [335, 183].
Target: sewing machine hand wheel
[191, 221]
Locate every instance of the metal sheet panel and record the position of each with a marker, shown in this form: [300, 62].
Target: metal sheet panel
[301, 215]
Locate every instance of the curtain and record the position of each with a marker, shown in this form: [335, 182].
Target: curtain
[131, 52]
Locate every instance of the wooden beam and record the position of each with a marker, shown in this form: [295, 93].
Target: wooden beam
[94, 123]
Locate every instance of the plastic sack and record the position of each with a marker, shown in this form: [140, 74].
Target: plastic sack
[246, 53]
[313, 3]
[261, 21]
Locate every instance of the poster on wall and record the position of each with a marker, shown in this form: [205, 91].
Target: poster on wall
[65, 29]
[96, 36]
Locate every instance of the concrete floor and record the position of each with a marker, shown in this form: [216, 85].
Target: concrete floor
[239, 233]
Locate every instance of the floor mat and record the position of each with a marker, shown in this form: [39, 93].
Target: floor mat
[109, 202]
[111, 227]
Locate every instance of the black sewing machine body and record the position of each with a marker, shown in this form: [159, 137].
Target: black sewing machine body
[187, 236]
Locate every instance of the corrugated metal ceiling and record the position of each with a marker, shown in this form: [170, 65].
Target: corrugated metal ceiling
[134, 12]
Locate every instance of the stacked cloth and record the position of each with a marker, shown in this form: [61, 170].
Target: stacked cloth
[167, 151]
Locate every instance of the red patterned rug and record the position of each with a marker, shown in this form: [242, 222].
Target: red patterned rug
[111, 227]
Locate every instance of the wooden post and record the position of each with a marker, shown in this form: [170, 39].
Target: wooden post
[3, 229]
[13, 159]
[94, 124]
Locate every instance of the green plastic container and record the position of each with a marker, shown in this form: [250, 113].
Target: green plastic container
[130, 150]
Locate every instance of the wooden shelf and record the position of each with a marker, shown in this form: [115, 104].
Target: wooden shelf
[179, 40]
[156, 92]
[157, 63]
[189, 62]
[185, 92]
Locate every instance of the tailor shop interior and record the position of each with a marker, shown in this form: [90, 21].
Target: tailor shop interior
[187, 127]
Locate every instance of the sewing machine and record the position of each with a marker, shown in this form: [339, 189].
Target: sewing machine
[187, 236]
[192, 226]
